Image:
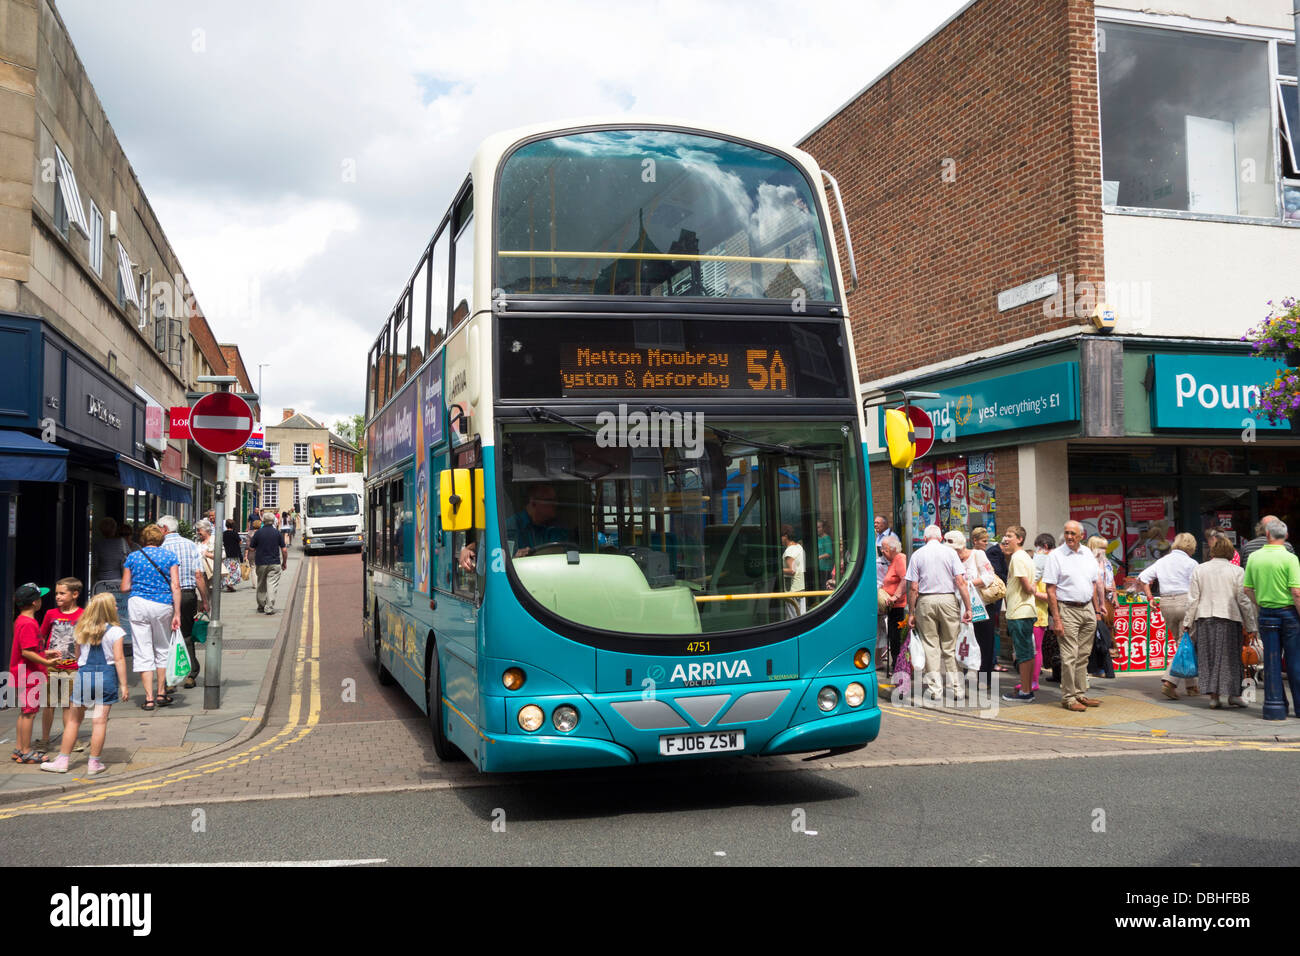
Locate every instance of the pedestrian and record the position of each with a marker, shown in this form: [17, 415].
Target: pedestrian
[59, 644]
[1173, 575]
[269, 556]
[128, 536]
[109, 551]
[1047, 650]
[895, 587]
[194, 587]
[27, 665]
[979, 574]
[152, 577]
[1218, 612]
[1261, 538]
[1074, 598]
[1272, 580]
[882, 529]
[206, 543]
[825, 554]
[938, 603]
[293, 524]
[1021, 614]
[998, 560]
[1100, 663]
[230, 548]
[101, 682]
[794, 564]
[1210, 535]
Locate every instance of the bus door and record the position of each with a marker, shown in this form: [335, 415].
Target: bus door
[461, 578]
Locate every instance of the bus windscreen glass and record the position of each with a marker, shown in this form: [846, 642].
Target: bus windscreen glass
[681, 527]
[332, 506]
[657, 213]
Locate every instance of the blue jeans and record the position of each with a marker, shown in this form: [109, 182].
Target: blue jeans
[1279, 628]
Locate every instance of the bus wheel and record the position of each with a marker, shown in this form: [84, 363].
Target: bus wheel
[444, 748]
[381, 672]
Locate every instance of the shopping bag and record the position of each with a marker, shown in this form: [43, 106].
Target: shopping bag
[917, 650]
[178, 660]
[200, 628]
[244, 571]
[1184, 664]
[968, 648]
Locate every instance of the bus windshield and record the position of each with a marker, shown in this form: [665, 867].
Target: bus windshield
[708, 536]
[657, 213]
[332, 506]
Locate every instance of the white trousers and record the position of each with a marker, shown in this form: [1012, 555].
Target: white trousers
[151, 633]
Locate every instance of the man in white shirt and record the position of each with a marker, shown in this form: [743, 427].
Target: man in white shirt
[1074, 600]
[794, 564]
[882, 532]
[935, 579]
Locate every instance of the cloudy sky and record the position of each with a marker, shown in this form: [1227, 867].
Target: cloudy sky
[299, 154]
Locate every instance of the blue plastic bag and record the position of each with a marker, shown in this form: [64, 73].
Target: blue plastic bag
[1184, 663]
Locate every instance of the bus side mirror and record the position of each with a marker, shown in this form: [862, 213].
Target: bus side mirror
[480, 514]
[454, 499]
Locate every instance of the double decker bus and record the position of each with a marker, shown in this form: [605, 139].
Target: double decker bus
[616, 499]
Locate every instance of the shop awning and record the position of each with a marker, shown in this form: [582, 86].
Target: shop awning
[24, 458]
[138, 475]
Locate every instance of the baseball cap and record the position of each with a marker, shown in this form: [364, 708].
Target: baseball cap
[27, 593]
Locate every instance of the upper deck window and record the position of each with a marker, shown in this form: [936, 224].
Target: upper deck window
[657, 213]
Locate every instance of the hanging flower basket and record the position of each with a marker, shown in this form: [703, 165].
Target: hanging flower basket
[1278, 337]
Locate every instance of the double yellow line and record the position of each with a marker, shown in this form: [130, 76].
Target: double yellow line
[304, 714]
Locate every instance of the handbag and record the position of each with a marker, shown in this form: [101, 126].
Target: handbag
[200, 630]
[1252, 653]
[244, 571]
[995, 591]
[882, 600]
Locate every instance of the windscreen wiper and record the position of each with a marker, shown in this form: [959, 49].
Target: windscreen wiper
[539, 414]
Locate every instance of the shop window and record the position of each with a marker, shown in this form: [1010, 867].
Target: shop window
[957, 493]
[1186, 122]
[1214, 461]
[1123, 460]
[1137, 521]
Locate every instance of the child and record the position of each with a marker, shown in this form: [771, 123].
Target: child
[100, 681]
[57, 639]
[27, 665]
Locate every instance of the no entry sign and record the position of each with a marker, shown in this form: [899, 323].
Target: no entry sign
[922, 428]
[221, 422]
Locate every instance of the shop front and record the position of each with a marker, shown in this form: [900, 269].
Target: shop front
[61, 410]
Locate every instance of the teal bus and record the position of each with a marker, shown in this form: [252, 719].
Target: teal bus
[617, 507]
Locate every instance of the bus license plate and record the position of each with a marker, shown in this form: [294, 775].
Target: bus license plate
[709, 743]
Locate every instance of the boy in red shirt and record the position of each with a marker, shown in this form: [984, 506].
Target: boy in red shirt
[27, 665]
[58, 640]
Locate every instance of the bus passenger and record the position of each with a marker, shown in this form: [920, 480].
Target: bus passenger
[794, 564]
[535, 526]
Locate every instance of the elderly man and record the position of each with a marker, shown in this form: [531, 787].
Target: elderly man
[1272, 581]
[268, 554]
[194, 585]
[1074, 600]
[1260, 539]
[935, 579]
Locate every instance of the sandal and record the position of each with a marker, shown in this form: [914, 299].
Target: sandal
[164, 700]
[148, 705]
[32, 756]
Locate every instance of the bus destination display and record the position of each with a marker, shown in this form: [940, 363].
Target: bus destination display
[596, 369]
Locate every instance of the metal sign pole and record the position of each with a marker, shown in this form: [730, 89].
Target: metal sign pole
[212, 657]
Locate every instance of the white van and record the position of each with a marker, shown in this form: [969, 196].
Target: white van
[331, 511]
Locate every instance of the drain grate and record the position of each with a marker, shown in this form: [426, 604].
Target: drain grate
[249, 644]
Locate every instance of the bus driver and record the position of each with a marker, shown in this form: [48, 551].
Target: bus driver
[535, 526]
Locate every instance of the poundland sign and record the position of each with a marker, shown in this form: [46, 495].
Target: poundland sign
[1211, 391]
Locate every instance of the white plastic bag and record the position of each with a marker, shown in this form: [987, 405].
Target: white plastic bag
[968, 648]
[178, 660]
[917, 651]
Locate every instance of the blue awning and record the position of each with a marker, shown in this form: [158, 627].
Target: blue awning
[141, 477]
[24, 458]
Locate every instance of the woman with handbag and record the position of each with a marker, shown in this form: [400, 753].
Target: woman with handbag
[989, 587]
[152, 577]
[231, 549]
[1218, 612]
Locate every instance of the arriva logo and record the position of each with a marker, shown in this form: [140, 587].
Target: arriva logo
[710, 670]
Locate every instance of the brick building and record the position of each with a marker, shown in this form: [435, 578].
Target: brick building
[1033, 171]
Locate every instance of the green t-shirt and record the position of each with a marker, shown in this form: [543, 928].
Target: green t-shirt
[1272, 572]
[824, 547]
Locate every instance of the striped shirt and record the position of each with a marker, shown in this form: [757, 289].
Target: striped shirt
[188, 557]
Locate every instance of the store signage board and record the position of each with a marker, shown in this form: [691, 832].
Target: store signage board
[1211, 391]
[221, 422]
[1040, 396]
[178, 422]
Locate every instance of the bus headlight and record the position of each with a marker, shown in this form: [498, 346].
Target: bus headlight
[855, 694]
[828, 698]
[530, 718]
[565, 718]
[513, 678]
[862, 658]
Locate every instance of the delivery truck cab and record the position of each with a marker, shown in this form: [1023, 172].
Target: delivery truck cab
[331, 512]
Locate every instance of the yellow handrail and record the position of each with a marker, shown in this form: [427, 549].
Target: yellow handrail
[668, 256]
[769, 596]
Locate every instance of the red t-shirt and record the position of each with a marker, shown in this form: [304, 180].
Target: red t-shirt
[27, 637]
[57, 634]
